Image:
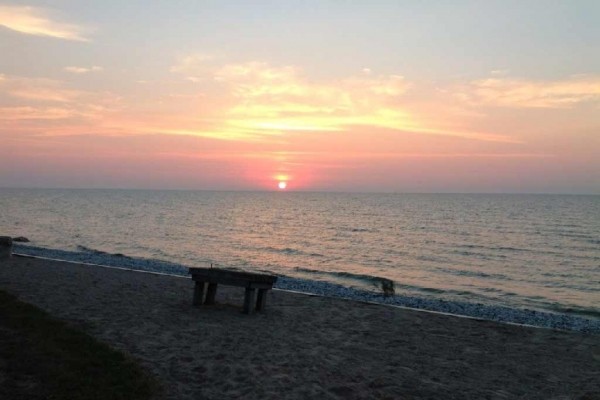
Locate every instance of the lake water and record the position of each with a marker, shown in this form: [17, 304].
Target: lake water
[535, 251]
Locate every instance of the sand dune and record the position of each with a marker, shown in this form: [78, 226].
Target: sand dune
[305, 346]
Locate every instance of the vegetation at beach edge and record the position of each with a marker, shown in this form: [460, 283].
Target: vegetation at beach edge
[44, 358]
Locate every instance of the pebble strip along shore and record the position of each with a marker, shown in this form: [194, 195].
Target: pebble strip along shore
[474, 310]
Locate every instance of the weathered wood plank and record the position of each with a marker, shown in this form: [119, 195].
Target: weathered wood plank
[210, 294]
[5, 247]
[231, 274]
[261, 299]
[249, 299]
[198, 293]
[232, 282]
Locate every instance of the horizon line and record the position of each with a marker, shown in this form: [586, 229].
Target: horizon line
[301, 191]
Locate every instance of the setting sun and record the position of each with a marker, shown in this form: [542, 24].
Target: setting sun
[282, 185]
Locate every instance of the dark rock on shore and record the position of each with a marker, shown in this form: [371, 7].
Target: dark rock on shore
[21, 239]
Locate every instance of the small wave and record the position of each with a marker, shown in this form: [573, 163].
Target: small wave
[567, 275]
[474, 274]
[574, 235]
[582, 311]
[494, 248]
[483, 256]
[516, 249]
[472, 246]
[430, 290]
[497, 290]
[290, 251]
[86, 249]
[341, 274]
[375, 281]
[361, 230]
[285, 250]
[431, 258]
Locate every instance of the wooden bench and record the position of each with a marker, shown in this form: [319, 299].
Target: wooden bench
[250, 281]
[6, 243]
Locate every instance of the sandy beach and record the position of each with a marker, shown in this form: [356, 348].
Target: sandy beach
[305, 346]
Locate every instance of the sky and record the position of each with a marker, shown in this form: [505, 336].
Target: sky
[372, 96]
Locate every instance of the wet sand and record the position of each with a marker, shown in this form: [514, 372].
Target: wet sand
[305, 346]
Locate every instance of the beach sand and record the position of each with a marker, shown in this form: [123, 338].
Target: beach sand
[305, 347]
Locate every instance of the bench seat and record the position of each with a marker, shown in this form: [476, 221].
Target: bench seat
[207, 280]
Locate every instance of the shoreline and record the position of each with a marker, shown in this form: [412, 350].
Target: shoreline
[294, 292]
[496, 313]
[303, 346]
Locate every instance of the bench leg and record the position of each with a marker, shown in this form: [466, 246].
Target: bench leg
[249, 300]
[210, 294]
[198, 293]
[261, 300]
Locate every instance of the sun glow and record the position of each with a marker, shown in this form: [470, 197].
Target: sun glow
[282, 185]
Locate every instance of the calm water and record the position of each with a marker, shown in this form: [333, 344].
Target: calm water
[519, 250]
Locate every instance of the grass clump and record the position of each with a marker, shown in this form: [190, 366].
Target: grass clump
[44, 358]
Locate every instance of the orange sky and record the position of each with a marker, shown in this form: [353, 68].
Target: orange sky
[165, 97]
